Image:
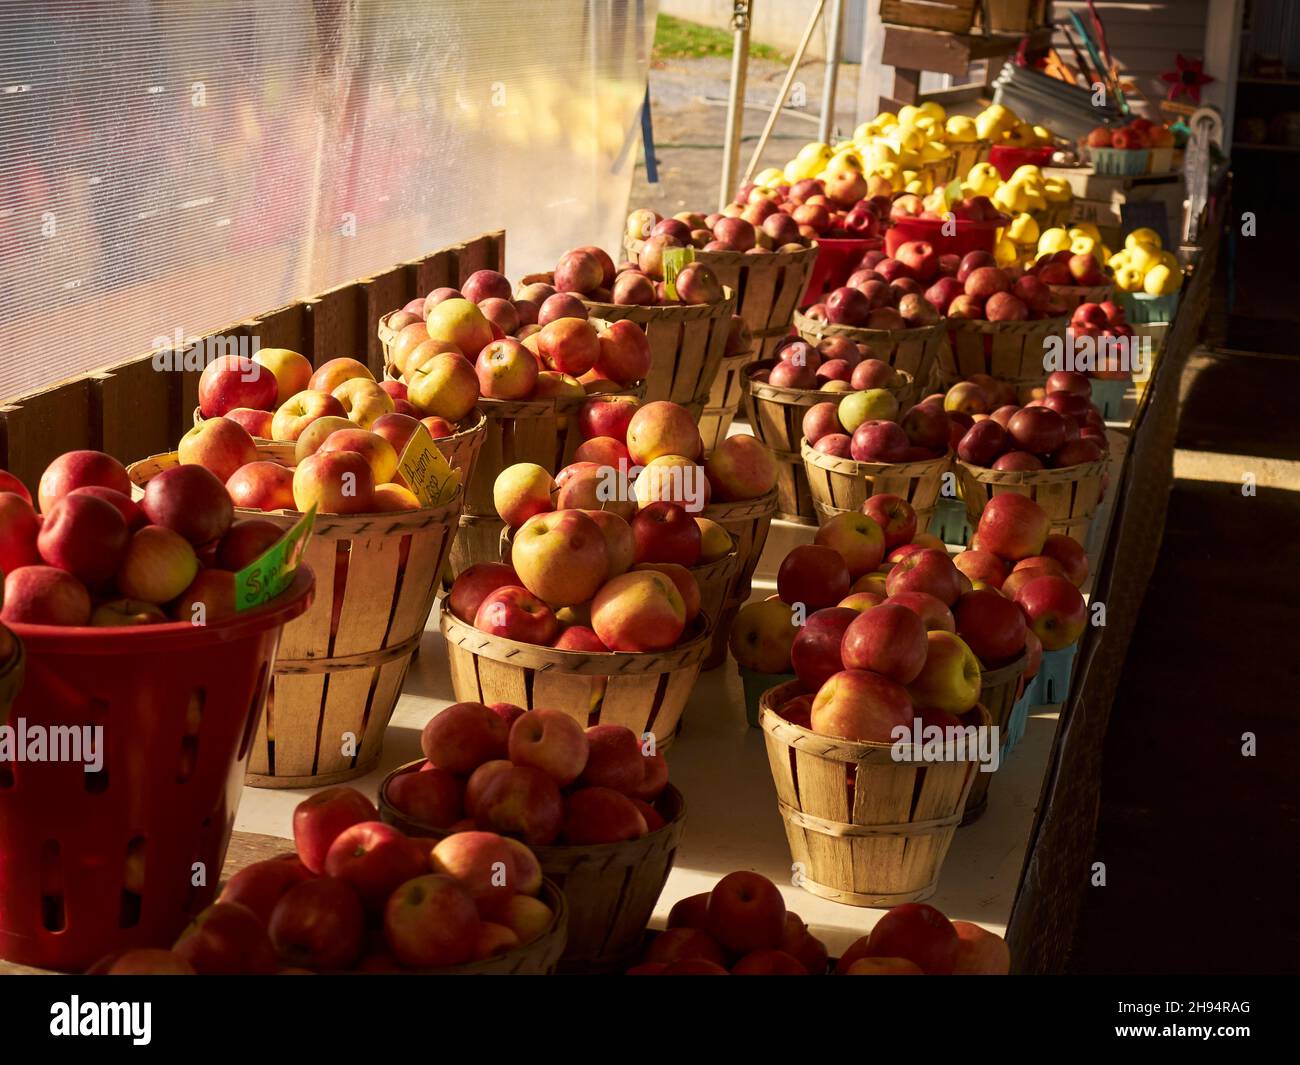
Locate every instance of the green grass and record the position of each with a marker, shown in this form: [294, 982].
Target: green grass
[678, 39]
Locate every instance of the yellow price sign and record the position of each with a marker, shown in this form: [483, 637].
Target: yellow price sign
[426, 472]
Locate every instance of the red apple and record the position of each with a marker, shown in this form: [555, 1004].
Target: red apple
[928, 570]
[227, 939]
[552, 741]
[431, 922]
[516, 614]
[1013, 527]
[319, 924]
[475, 584]
[321, 817]
[862, 706]
[888, 639]
[814, 575]
[919, 933]
[991, 625]
[895, 517]
[746, 912]
[463, 736]
[374, 858]
[1055, 610]
[815, 654]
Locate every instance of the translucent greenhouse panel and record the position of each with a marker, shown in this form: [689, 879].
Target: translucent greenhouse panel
[171, 167]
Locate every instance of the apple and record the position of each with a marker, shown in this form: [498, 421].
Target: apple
[950, 678]
[319, 924]
[336, 482]
[768, 963]
[521, 801]
[624, 352]
[741, 467]
[527, 917]
[894, 515]
[516, 614]
[1054, 609]
[331, 374]
[934, 614]
[926, 570]
[257, 423]
[321, 817]
[259, 886]
[10, 483]
[301, 410]
[662, 428]
[375, 858]
[814, 575]
[232, 381]
[431, 797]
[857, 538]
[227, 939]
[489, 867]
[607, 416]
[522, 491]
[983, 566]
[210, 595]
[159, 565]
[594, 815]
[191, 501]
[682, 943]
[879, 441]
[474, 585]
[888, 639]
[552, 741]
[815, 653]
[991, 625]
[80, 469]
[445, 386]
[506, 370]
[430, 921]
[762, 635]
[746, 913]
[920, 934]
[980, 952]
[86, 536]
[463, 737]
[860, 705]
[561, 557]
[1071, 556]
[1013, 527]
[665, 532]
[1039, 430]
[638, 611]
[292, 371]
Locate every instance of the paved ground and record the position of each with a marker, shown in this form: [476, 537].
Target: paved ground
[1200, 843]
[688, 104]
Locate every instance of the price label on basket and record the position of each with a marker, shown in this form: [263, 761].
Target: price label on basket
[426, 472]
[674, 261]
[270, 574]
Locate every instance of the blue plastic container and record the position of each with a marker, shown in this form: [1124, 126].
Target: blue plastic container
[755, 684]
[1108, 396]
[949, 522]
[1142, 309]
[1052, 685]
[1018, 721]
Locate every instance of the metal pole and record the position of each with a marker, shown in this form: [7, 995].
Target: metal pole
[785, 91]
[836, 27]
[735, 105]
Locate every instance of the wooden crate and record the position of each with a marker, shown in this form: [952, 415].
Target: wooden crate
[866, 826]
[950, 16]
[1014, 16]
[611, 888]
[141, 406]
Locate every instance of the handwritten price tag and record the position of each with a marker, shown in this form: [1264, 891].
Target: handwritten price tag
[426, 472]
[270, 574]
[675, 260]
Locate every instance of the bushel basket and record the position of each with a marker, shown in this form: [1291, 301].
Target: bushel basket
[839, 484]
[1069, 495]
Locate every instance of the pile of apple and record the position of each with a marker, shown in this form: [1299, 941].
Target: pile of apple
[601, 554]
[741, 927]
[865, 426]
[1136, 135]
[1068, 268]
[916, 939]
[579, 273]
[534, 775]
[359, 895]
[1105, 321]
[838, 206]
[980, 289]
[887, 293]
[93, 556]
[762, 223]
[1060, 428]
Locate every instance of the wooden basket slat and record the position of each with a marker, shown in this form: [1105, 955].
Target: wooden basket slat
[344, 712]
[573, 693]
[838, 484]
[504, 683]
[749, 523]
[1070, 495]
[465, 681]
[294, 713]
[372, 573]
[304, 635]
[1010, 351]
[387, 687]
[425, 562]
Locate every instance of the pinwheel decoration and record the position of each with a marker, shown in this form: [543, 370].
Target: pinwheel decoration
[1187, 79]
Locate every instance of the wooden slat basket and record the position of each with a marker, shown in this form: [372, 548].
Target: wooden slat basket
[341, 665]
[748, 521]
[999, 689]
[864, 829]
[725, 399]
[610, 888]
[646, 691]
[838, 484]
[541, 957]
[1010, 351]
[1069, 495]
[914, 350]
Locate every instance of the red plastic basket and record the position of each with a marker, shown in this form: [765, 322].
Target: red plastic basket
[970, 236]
[837, 258]
[178, 705]
[1008, 160]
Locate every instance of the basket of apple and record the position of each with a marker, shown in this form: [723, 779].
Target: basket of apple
[879, 739]
[916, 939]
[276, 395]
[884, 309]
[378, 554]
[1053, 449]
[687, 323]
[998, 323]
[862, 447]
[593, 803]
[781, 391]
[130, 627]
[1118, 354]
[357, 895]
[756, 249]
[1072, 279]
[741, 927]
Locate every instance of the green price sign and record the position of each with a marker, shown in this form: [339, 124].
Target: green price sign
[270, 574]
[675, 260]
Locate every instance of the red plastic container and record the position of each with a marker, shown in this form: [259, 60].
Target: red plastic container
[178, 705]
[1008, 160]
[837, 258]
[970, 236]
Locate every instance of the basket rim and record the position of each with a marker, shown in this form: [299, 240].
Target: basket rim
[613, 312]
[172, 635]
[985, 475]
[556, 850]
[835, 464]
[802, 322]
[496, 409]
[836, 749]
[741, 258]
[1045, 326]
[762, 506]
[680, 656]
[797, 397]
